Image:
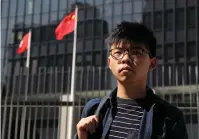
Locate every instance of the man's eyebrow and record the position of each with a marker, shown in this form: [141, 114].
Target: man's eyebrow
[116, 46]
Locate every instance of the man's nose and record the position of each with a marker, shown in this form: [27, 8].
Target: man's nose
[126, 59]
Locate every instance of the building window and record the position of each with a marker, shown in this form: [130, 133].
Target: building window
[137, 17]
[34, 50]
[69, 60]
[17, 68]
[191, 74]
[180, 74]
[52, 48]
[2, 56]
[60, 60]
[108, 9]
[45, 6]
[147, 19]
[137, 6]
[98, 59]
[69, 47]
[180, 52]
[159, 53]
[4, 37]
[168, 20]
[13, 7]
[80, 45]
[29, 6]
[117, 9]
[11, 24]
[128, 17]
[21, 5]
[88, 59]
[19, 36]
[36, 35]
[97, 2]
[79, 59]
[81, 14]
[43, 49]
[191, 17]
[88, 45]
[169, 53]
[116, 20]
[80, 29]
[34, 66]
[51, 61]
[99, 11]
[37, 6]
[180, 18]
[98, 30]
[53, 17]
[4, 23]
[191, 51]
[169, 4]
[61, 48]
[180, 3]
[44, 34]
[5, 8]
[158, 4]
[54, 5]
[89, 28]
[105, 55]
[90, 13]
[10, 52]
[127, 7]
[98, 44]
[158, 21]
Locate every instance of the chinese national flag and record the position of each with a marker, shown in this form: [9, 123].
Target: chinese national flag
[66, 26]
[23, 46]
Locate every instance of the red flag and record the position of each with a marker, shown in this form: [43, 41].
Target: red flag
[66, 26]
[23, 46]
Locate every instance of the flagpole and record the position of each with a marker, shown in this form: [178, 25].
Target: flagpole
[23, 117]
[72, 91]
[71, 109]
[28, 52]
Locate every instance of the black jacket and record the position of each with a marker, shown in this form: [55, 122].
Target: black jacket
[161, 120]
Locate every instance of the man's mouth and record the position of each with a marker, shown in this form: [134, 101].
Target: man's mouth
[125, 68]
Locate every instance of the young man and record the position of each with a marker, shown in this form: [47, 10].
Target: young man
[132, 110]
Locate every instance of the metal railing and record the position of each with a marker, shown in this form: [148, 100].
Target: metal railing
[37, 105]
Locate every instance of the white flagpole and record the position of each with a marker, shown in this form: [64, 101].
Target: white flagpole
[71, 109]
[72, 89]
[27, 83]
[28, 52]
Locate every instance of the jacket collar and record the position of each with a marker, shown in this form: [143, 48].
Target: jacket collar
[146, 102]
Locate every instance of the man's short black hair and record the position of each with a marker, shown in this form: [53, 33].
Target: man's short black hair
[133, 32]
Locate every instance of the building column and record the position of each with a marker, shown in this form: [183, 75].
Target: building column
[68, 118]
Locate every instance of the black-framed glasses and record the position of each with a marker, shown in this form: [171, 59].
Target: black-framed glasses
[119, 53]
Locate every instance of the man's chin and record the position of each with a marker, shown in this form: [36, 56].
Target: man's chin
[126, 78]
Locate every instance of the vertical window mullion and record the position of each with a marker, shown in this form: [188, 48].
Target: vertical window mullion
[197, 34]
[185, 42]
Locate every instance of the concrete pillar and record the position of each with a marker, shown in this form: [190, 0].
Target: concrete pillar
[68, 119]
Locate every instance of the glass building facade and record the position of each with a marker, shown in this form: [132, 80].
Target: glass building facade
[174, 23]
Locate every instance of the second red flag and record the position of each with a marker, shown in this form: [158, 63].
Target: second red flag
[66, 26]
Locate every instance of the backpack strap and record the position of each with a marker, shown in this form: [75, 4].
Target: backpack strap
[100, 109]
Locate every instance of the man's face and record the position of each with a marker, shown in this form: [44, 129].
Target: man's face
[130, 63]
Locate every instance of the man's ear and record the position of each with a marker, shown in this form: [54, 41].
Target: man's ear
[153, 64]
